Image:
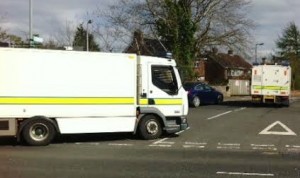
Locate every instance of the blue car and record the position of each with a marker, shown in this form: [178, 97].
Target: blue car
[200, 93]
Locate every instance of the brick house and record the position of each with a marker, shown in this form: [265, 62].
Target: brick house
[220, 67]
[226, 69]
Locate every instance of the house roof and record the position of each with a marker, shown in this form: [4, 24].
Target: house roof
[145, 46]
[230, 61]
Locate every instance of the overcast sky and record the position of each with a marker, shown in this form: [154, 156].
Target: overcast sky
[271, 16]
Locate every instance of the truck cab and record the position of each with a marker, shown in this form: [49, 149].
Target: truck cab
[161, 92]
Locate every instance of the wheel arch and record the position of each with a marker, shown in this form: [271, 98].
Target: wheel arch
[143, 111]
[26, 121]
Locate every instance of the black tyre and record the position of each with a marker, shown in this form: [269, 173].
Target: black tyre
[150, 127]
[38, 132]
[196, 102]
[219, 99]
[286, 103]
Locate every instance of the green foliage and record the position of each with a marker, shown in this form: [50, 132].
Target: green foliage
[289, 42]
[80, 39]
[178, 31]
[289, 45]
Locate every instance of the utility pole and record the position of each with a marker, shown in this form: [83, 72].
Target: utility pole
[257, 44]
[30, 23]
[87, 34]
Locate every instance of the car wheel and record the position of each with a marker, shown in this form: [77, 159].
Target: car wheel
[219, 99]
[196, 101]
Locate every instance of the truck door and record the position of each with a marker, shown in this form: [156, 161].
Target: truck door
[163, 90]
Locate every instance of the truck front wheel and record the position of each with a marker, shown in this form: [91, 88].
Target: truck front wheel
[38, 132]
[150, 127]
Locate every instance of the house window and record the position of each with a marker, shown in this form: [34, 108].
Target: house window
[197, 64]
[236, 73]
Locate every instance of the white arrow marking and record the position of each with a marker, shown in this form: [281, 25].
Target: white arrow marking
[287, 131]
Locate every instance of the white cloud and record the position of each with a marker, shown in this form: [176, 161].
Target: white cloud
[48, 16]
[271, 16]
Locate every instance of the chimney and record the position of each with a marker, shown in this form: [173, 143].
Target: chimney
[215, 50]
[263, 60]
[138, 36]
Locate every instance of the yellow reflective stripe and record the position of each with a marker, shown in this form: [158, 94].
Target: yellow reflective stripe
[168, 101]
[143, 101]
[270, 87]
[65, 100]
[162, 101]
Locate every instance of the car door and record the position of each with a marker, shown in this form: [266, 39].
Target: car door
[209, 94]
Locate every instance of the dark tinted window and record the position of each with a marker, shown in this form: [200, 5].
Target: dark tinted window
[164, 78]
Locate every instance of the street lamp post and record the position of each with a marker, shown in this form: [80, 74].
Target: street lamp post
[87, 35]
[257, 44]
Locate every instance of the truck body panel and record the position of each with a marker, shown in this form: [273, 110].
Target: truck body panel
[85, 92]
[271, 83]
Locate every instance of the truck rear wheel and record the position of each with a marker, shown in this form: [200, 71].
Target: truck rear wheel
[150, 127]
[38, 132]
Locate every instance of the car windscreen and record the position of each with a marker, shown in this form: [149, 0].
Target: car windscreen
[188, 86]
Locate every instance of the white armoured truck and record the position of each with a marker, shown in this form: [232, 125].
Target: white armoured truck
[49, 92]
[271, 84]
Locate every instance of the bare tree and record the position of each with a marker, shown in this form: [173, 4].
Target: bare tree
[3, 34]
[218, 22]
[65, 35]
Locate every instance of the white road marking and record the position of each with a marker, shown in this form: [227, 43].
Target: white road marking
[231, 146]
[219, 115]
[263, 145]
[222, 114]
[292, 146]
[245, 174]
[287, 131]
[160, 145]
[120, 144]
[162, 141]
[239, 109]
[194, 145]
[270, 147]
[180, 132]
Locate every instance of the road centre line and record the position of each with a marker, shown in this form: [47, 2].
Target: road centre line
[180, 132]
[245, 174]
[227, 112]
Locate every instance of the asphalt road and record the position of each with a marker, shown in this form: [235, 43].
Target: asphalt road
[235, 139]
